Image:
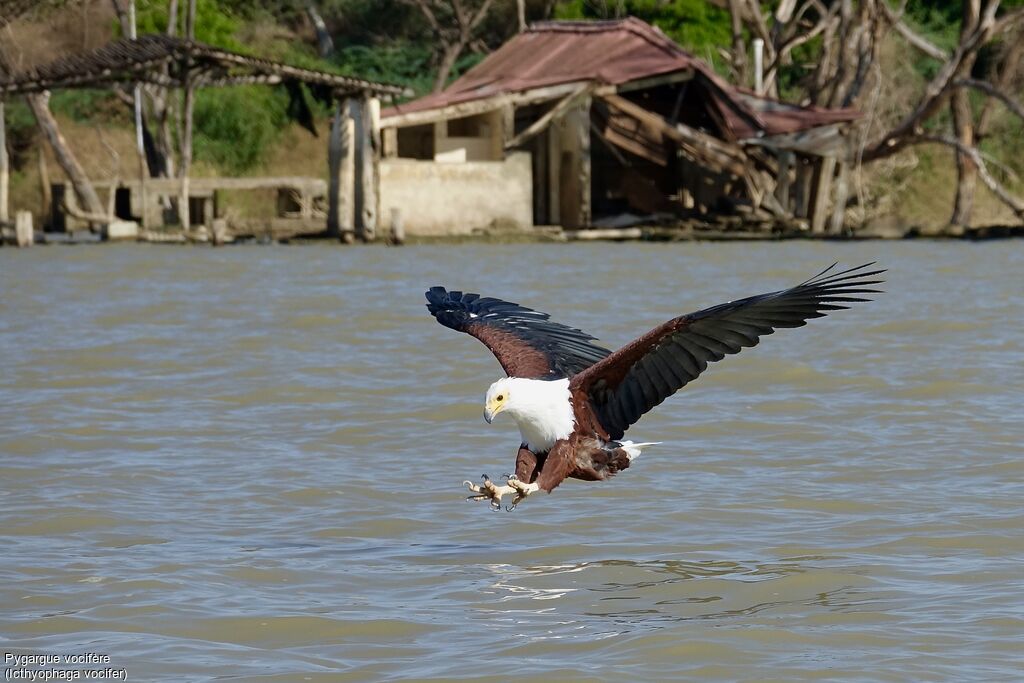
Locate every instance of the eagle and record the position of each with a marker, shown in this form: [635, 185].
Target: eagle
[573, 400]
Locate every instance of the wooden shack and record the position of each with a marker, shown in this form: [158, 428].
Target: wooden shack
[590, 123]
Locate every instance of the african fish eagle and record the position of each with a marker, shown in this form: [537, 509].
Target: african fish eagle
[573, 400]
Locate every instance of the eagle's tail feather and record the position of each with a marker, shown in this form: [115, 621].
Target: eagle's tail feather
[633, 449]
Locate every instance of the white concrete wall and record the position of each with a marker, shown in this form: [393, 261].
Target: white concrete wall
[453, 199]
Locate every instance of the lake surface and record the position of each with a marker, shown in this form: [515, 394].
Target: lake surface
[246, 463]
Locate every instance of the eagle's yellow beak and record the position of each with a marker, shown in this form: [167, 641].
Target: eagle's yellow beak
[492, 408]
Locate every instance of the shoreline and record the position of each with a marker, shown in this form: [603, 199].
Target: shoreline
[545, 234]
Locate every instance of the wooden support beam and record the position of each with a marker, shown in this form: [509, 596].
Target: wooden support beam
[341, 171]
[5, 169]
[554, 113]
[367, 167]
[185, 156]
[801, 190]
[655, 81]
[508, 124]
[554, 158]
[463, 109]
[842, 193]
[784, 158]
[580, 123]
[821, 193]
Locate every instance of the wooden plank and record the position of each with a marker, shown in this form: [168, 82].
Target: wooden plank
[820, 141]
[473, 107]
[556, 112]
[655, 81]
[821, 193]
[649, 128]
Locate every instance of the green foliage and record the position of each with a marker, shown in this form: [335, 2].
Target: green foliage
[89, 106]
[697, 25]
[215, 23]
[21, 131]
[236, 126]
[401, 62]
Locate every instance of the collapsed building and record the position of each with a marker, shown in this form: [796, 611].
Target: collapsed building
[584, 124]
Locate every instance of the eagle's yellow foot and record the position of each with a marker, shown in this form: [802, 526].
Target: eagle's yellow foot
[488, 490]
[522, 491]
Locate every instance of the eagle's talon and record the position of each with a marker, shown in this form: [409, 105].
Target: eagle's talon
[488, 490]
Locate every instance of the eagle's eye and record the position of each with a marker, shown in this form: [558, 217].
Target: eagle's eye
[501, 397]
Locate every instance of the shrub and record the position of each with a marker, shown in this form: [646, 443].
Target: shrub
[235, 126]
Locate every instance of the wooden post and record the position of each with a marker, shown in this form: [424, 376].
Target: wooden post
[45, 190]
[582, 124]
[803, 173]
[5, 171]
[821, 192]
[341, 173]
[842, 192]
[397, 228]
[186, 137]
[508, 126]
[23, 232]
[368, 167]
[554, 172]
[140, 146]
[784, 158]
[186, 158]
[389, 141]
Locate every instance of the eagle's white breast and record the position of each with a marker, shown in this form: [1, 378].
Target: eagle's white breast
[542, 409]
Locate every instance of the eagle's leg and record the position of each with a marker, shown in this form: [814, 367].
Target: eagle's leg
[488, 490]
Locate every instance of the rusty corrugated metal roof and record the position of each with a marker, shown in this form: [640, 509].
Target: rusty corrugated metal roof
[613, 53]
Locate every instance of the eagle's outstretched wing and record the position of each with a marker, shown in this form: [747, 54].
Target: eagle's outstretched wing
[645, 372]
[525, 342]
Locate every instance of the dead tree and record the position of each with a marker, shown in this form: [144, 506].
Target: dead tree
[453, 25]
[846, 73]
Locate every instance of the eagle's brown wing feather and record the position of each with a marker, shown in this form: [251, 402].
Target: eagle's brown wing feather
[619, 389]
[525, 342]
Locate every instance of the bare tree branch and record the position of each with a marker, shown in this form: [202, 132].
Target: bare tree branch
[915, 39]
[992, 91]
[1004, 195]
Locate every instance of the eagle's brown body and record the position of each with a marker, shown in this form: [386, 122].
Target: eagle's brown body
[609, 391]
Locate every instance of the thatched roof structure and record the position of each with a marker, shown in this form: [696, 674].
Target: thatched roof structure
[166, 61]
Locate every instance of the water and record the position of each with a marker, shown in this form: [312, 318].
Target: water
[246, 463]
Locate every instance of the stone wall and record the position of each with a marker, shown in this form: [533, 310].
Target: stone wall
[437, 198]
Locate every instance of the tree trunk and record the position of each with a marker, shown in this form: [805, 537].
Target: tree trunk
[963, 126]
[40, 106]
[451, 55]
[739, 46]
[967, 171]
[521, 14]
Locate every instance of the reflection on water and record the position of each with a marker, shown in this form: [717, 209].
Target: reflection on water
[246, 462]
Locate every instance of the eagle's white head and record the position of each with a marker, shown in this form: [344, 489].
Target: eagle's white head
[541, 408]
